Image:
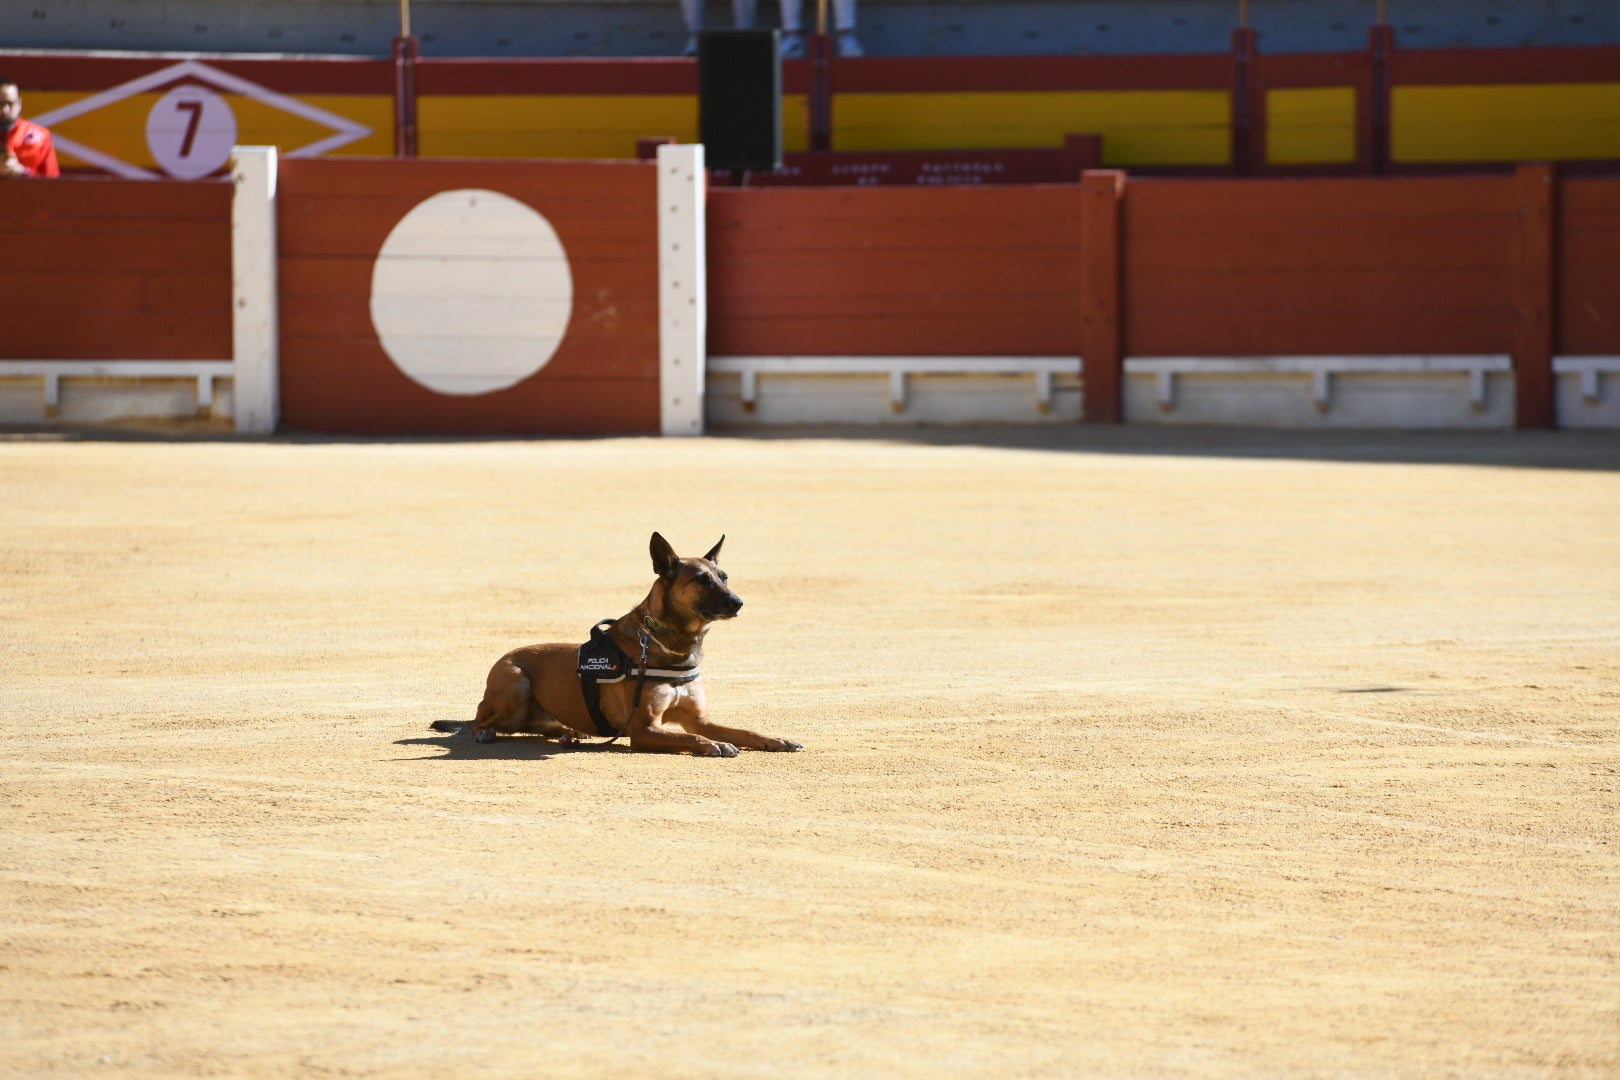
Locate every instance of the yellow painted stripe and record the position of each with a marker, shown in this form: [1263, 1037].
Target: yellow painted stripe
[568, 125]
[1547, 122]
[1315, 126]
[1138, 127]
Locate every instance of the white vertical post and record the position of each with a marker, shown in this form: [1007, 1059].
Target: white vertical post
[254, 319]
[682, 289]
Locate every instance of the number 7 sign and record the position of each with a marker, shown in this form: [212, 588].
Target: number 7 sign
[191, 131]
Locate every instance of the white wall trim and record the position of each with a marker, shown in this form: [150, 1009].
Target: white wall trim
[897, 369]
[682, 288]
[1591, 369]
[1321, 369]
[255, 320]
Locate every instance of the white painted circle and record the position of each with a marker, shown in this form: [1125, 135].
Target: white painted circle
[190, 132]
[471, 292]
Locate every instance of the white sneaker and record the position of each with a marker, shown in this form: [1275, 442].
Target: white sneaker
[847, 45]
[792, 44]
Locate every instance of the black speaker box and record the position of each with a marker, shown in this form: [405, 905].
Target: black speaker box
[740, 99]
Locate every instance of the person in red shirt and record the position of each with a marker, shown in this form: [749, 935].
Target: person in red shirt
[29, 149]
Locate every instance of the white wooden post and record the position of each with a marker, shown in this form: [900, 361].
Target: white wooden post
[254, 318]
[682, 289]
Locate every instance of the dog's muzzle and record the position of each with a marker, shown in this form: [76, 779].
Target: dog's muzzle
[727, 608]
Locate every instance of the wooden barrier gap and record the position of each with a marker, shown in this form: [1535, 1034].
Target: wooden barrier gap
[1248, 105]
[1536, 329]
[1102, 249]
[1374, 120]
[821, 50]
[407, 53]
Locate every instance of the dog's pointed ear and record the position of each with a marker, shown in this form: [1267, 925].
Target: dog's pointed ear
[663, 556]
[714, 552]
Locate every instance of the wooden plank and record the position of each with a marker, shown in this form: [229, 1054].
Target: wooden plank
[1566, 121]
[1372, 290]
[1588, 282]
[1323, 332]
[574, 75]
[899, 276]
[287, 75]
[589, 349]
[814, 204]
[1298, 70]
[311, 278]
[71, 199]
[1164, 201]
[421, 178]
[1399, 244]
[898, 238]
[145, 247]
[1544, 64]
[358, 391]
[963, 271]
[992, 311]
[940, 335]
[65, 300]
[1138, 127]
[912, 74]
[129, 336]
[1310, 126]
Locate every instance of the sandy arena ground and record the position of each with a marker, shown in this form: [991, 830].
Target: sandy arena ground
[1128, 754]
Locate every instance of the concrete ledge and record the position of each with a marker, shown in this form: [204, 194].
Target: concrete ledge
[1322, 391]
[1588, 391]
[893, 389]
[98, 391]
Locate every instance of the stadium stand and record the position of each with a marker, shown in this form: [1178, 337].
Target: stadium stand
[517, 28]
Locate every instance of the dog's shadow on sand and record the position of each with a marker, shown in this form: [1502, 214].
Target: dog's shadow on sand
[504, 748]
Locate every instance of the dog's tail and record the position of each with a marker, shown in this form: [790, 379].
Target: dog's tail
[453, 727]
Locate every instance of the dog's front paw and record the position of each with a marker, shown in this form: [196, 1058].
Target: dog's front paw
[720, 749]
[785, 746]
[483, 735]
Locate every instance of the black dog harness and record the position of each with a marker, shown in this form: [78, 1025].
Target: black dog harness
[602, 662]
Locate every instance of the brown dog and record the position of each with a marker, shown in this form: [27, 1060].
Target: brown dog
[654, 693]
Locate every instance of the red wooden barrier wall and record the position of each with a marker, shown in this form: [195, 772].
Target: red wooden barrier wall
[335, 375]
[1336, 267]
[1525, 265]
[116, 270]
[894, 271]
[1589, 267]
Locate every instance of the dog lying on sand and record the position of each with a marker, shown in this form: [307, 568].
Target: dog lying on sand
[638, 676]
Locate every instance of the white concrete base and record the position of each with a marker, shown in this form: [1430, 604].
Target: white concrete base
[893, 390]
[72, 400]
[1588, 391]
[1322, 392]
